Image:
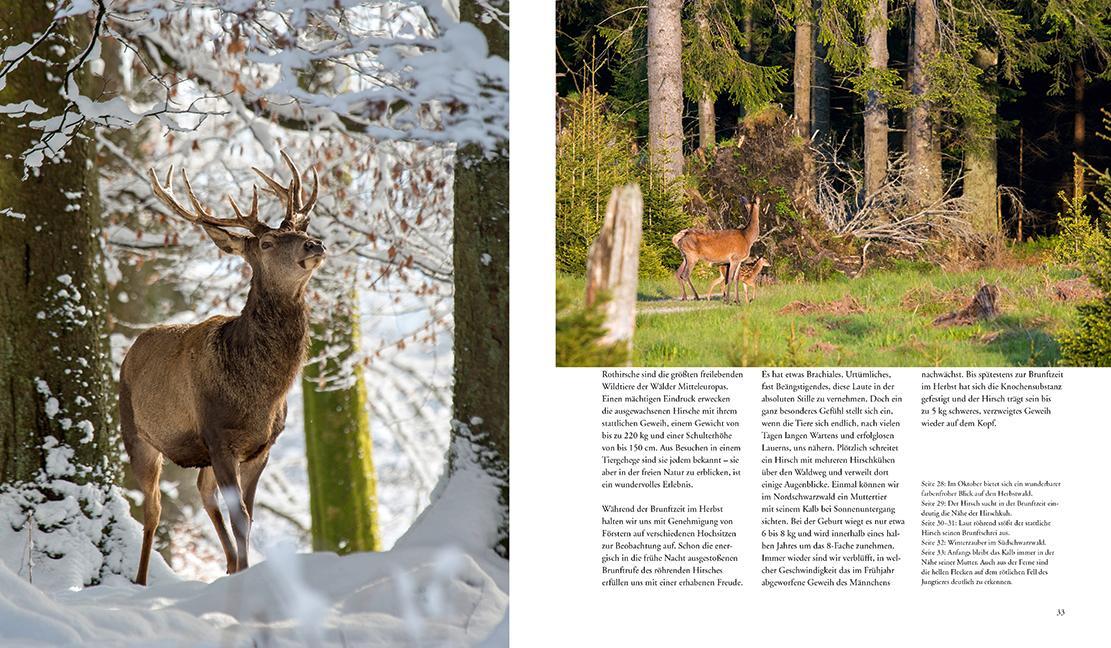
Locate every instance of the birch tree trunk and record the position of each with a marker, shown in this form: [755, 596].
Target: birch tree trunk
[55, 381]
[875, 111]
[343, 497]
[665, 86]
[923, 141]
[480, 404]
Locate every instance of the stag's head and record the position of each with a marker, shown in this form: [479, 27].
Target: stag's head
[283, 257]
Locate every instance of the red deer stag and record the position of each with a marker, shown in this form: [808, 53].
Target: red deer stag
[212, 395]
[728, 247]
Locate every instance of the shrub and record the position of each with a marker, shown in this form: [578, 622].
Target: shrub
[1087, 343]
[578, 330]
[594, 154]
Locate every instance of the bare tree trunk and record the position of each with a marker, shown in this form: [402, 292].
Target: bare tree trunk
[804, 68]
[480, 397]
[613, 262]
[980, 181]
[821, 90]
[981, 164]
[665, 86]
[55, 383]
[875, 111]
[749, 33]
[1079, 122]
[923, 141]
[707, 122]
[338, 447]
[803, 81]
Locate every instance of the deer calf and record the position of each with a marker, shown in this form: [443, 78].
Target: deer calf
[212, 395]
[728, 247]
[747, 276]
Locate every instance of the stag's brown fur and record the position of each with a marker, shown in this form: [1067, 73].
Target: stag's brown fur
[728, 247]
[212, 395]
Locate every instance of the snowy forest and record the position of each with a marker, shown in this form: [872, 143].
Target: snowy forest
[932, 175]
[149, 150]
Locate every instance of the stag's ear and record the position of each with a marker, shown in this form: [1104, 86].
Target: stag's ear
[226, 241]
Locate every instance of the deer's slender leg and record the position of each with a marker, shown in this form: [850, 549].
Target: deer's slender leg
[735, 271]
[146, 464]
[206, 484]
[690, 267]
[250, 472]
[679, 277]
[226, 468]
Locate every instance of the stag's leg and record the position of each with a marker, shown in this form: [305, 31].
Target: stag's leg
[206, 484]
[251, 471]
[146, 465]
[226, 468]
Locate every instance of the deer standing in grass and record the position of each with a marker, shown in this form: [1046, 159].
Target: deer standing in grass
[747, 277]
[726, 247]
[212, 395]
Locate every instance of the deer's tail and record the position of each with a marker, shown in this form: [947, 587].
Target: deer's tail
[678, 235]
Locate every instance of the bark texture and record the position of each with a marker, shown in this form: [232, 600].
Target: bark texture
[342, 482]
[823, 77]
[54, 376]
[613, 264]
[875, 111]
[804, 68]
[707, 121]
[981, 164]
[665, 86]
[480, 406]
[923, 141]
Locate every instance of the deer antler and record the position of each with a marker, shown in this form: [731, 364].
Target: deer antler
[202, 215]
[296, 207]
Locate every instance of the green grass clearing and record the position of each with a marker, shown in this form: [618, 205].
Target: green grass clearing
[881, 319]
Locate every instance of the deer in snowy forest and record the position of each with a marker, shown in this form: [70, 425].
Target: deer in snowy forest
[720, 247]
[213, 395]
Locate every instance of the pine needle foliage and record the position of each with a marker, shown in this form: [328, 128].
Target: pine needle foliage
[712, 61]
[578, 331]
[594, 154]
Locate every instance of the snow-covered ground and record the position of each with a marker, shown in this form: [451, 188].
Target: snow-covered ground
[438, 586]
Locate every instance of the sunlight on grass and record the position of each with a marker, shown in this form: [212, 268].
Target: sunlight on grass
[882, 319]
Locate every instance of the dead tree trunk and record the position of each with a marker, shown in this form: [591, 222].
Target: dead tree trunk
[612, 265]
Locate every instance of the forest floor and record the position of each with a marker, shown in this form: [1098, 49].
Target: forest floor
[884, 318]
[439, 586]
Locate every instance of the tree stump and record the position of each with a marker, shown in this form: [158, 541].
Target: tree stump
[981, 307]
[613, 262]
